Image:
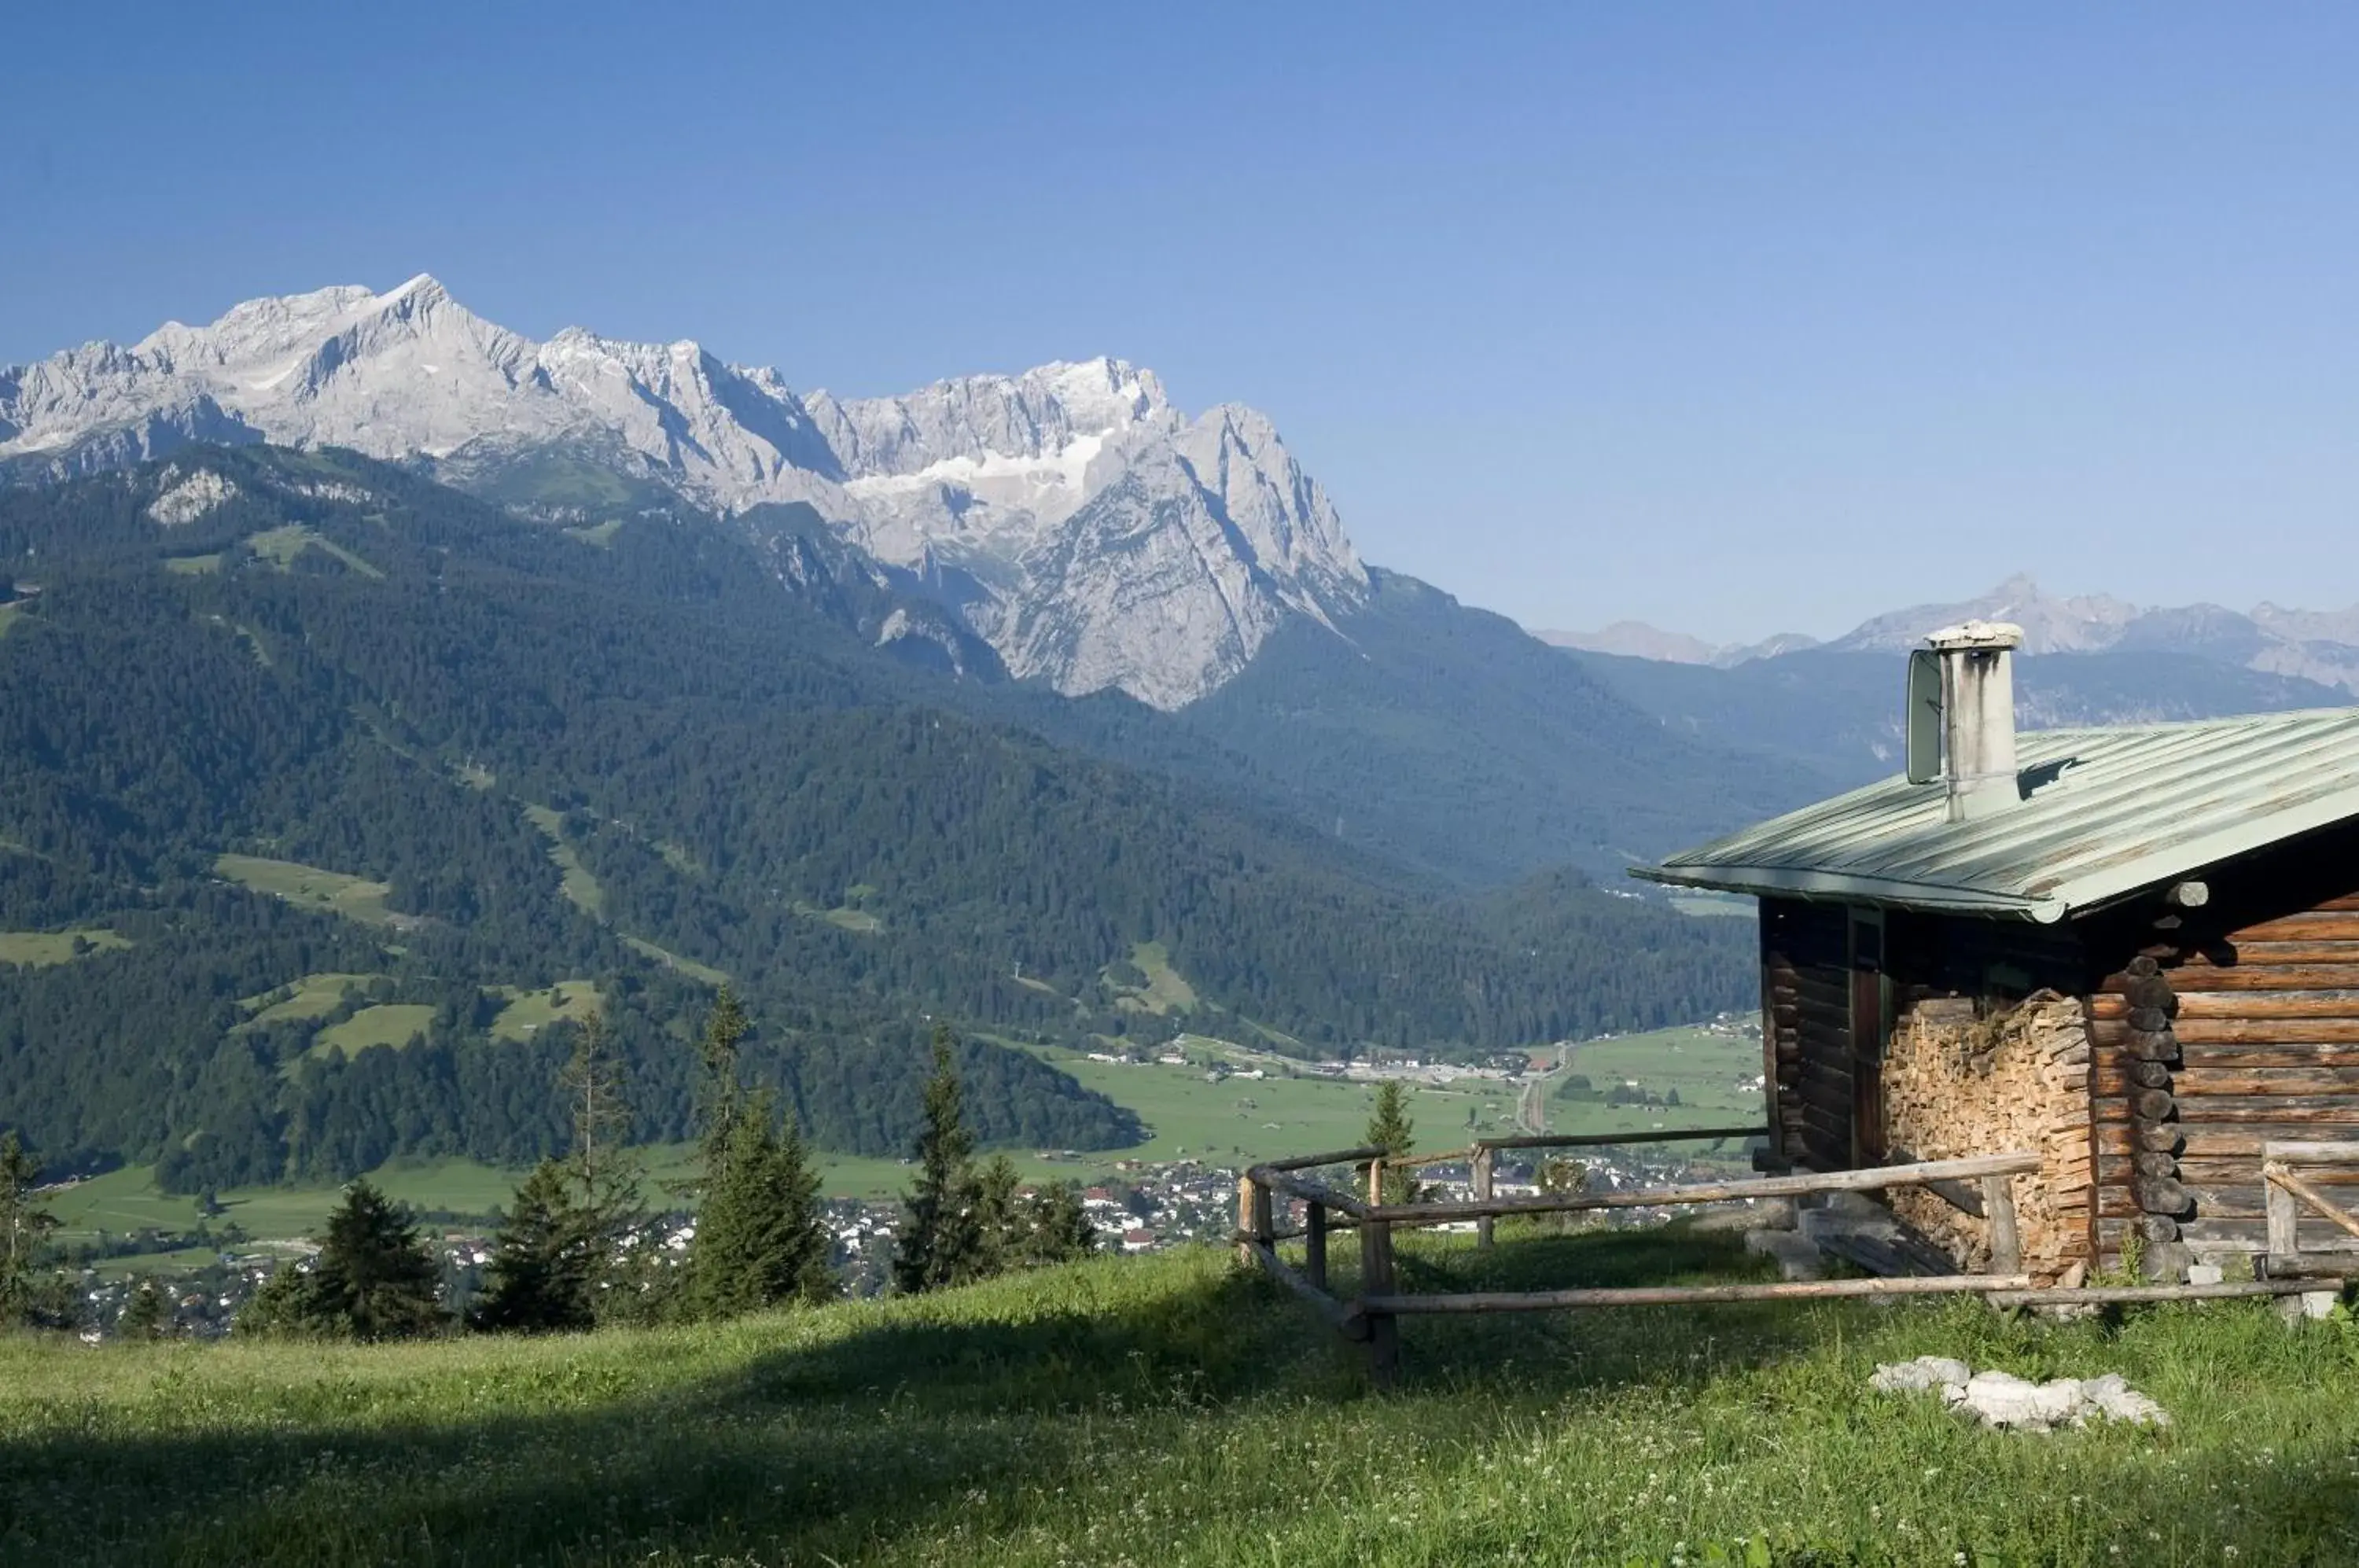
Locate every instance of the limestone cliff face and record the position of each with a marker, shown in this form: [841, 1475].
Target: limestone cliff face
[1093, 535]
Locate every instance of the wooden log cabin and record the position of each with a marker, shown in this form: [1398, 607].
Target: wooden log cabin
[2134, 950]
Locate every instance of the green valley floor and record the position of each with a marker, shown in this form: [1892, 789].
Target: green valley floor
[1171, 1411]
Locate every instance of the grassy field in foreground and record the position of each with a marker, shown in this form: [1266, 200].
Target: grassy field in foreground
[1171, 1411]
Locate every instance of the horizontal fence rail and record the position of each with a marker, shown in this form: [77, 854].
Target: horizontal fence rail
[1868, 1180]
[1614, 1140]
[1684, 1295]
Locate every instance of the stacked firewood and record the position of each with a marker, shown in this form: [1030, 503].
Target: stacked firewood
[1956, 1083]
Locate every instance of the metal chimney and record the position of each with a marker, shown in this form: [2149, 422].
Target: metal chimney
[1962, 690]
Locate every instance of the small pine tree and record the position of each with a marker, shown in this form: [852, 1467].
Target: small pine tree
[999, 1217]
[1025, 1230]
[940, 1239]
[375, 1277]
[1390, 1129]
[24, 1224]
[146, 1315]
[279, 1308]
[761, 1237]
[544, 1268]
[1057, 1228]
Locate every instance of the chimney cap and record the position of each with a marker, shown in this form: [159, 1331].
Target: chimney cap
[1968, 635]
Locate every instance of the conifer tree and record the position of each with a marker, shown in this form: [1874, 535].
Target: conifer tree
[761, 1237]
[605, 1173]
[1025, 1230]
[24, 1224]
[1054, 1228]
[724, 1030]
[940, 1239]
[146, 1315]
[544, 1270]
[592, 1081]
[999, 1216]
[375, 1277]
[1390, 1129]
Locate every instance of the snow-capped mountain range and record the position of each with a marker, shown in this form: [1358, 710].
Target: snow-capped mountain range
[1093, 533]
[2321, 645]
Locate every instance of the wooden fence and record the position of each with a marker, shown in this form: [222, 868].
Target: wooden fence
[2290, 1191]
[1979, 1185]
[1372, 1317]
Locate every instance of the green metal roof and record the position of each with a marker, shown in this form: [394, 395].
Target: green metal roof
[2104, 812]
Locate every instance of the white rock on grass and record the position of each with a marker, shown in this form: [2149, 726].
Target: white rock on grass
[2017, 1404]
[1918, 1376]
[2118, 1402]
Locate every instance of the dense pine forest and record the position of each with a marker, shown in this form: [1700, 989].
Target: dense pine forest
[314, 807]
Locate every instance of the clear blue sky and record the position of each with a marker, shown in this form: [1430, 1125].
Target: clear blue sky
[1733, 319]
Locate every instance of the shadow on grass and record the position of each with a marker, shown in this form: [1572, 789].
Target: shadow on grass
[982, 1410]
[834, 1448]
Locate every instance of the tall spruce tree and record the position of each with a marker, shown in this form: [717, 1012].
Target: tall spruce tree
[605, 1173]
[24, 1224]
[591, 1082]
[761, 1235]
[1390, 1129]
[560, 1242]
[544, 1270]
[940, 1240]
[724, 1030]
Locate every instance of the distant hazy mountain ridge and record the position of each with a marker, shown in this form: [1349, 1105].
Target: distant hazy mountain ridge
[2314, 645]
[1093, 535]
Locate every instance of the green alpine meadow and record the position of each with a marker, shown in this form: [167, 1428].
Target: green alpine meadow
[1175, 1410]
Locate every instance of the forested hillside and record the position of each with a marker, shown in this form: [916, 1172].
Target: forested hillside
[1499, 756]
[317, 792]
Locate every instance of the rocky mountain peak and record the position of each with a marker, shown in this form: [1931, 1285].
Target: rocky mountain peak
[1092, 533]
[2317, 646]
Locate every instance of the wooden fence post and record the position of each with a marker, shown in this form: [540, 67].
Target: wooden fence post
[1252, 1202]
[1376, 1280]
[1376, 1180]
[2285, 1218]
[2006, 1241]
[1483, 1226]
[1314, 1244]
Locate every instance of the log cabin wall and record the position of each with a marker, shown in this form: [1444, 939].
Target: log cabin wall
[2246, 1030]
[1805, 1029]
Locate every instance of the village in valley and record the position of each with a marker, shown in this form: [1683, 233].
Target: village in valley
[1697, 1075]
